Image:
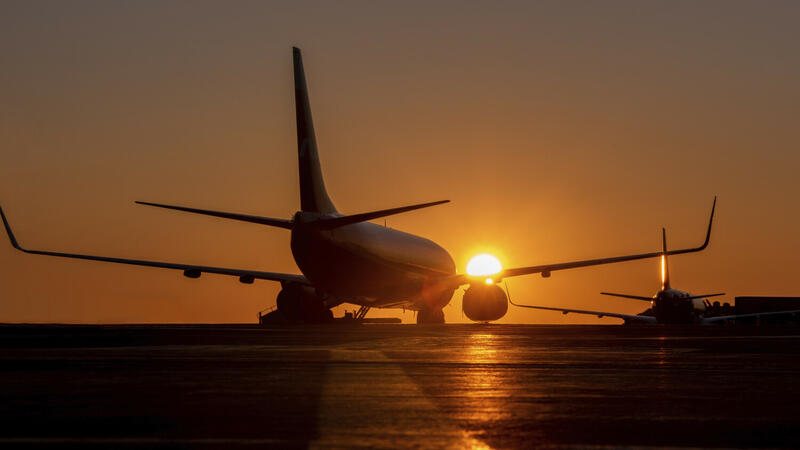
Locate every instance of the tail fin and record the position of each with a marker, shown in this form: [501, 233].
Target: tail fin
[664, 262]
[313, 196]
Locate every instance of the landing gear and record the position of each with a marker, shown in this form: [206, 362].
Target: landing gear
[427, 316]
[361, 312]
[300, 304]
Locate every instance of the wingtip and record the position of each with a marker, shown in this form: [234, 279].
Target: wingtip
[11, 236]
[711, 218]
[710, 223]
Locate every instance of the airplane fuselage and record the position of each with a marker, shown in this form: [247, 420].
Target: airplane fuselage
[671, 306]
[372, 265]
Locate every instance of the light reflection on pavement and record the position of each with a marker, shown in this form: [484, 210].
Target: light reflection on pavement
[453, 386]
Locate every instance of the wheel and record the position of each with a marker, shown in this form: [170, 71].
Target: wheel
[300, 305]
[428, 317]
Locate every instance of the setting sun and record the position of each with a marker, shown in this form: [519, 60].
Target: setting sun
[483, 264]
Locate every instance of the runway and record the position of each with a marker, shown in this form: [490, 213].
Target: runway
[345, 386]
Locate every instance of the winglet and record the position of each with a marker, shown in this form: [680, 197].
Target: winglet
[10, 233]
[708, 235]
[710, 222]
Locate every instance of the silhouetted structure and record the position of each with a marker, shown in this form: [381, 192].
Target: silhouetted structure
[755, 304]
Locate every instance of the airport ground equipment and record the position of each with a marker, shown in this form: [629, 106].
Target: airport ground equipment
[767, 304]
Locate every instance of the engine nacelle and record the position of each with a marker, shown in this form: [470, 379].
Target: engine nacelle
[484, 302]
[298, 303]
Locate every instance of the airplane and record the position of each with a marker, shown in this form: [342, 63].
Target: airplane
[667, 306]
[344, 258]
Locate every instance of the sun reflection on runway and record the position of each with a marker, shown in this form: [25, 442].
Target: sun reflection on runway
[483, 382]
[481, 348]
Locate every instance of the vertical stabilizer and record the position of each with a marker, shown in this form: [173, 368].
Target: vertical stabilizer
[313, 196]
[664, 262]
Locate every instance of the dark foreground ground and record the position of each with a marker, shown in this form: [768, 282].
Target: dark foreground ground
[222, 386]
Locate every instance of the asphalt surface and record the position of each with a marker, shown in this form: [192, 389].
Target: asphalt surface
[345, 386]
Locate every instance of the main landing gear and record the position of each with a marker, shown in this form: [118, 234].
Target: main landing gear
[425, 316]
[359, 315]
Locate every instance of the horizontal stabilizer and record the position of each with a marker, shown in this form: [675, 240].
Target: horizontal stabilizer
[704, 296]
[336, 222]
[635, 297]
[281, 223]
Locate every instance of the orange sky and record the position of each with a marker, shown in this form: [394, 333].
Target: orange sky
[560, 131]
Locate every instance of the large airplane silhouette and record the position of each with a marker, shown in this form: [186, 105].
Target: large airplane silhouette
[346, 259]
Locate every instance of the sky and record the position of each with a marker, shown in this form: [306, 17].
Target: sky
[559, 130]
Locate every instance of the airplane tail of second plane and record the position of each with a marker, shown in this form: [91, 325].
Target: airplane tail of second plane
[313, 195]
[664, 261]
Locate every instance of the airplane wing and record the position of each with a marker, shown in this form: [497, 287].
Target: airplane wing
[545, 269]
[719, 319]
[190, 270]
[601, 314]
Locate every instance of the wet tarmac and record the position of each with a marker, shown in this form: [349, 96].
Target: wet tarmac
[345, 386]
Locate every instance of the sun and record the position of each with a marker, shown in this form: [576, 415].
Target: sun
[483, 265]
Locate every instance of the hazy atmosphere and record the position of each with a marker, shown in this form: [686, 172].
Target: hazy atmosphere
[559, 131]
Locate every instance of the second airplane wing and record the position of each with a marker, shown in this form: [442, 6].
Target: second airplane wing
[626, 317]
[545, 269]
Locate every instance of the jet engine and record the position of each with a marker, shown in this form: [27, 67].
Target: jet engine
[299, 303]
[484, 302]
